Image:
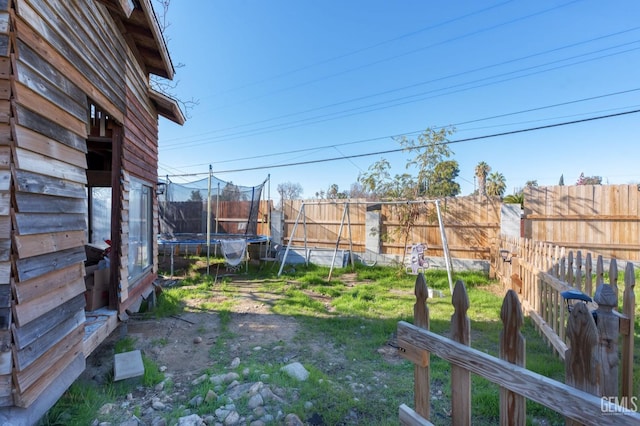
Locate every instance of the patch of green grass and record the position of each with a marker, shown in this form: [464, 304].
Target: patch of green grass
[77, 406]
[358, 320]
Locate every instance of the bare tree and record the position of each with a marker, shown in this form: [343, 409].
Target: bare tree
[162, 85]
[289, 191]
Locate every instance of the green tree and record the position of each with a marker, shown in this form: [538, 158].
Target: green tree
[435, 177]
[431, 148]
[517, 198]
[589, 180]
[482, 170]
[496, 184]
[334, 193]
[378, 181]
[443, 180]
[561, 182]
[195, 195]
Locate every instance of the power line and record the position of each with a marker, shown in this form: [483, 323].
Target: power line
[449, 142]
[493, 117]
[416, 50]
[366, 48]
[418, 97]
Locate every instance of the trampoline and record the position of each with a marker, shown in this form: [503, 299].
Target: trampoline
[212, 212]
[198, 240]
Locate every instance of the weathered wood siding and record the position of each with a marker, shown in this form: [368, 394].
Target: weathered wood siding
[6, 360]
[62, 55]
[603, 219]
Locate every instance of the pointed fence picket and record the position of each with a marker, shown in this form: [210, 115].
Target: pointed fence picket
[578, 403]
[543, 272]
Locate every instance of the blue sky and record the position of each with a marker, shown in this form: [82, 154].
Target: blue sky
[283, 82]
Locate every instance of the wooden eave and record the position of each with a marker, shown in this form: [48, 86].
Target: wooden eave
[140, 27]
[167, 107]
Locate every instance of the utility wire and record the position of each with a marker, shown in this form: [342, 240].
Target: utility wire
[418, 84]
[364, 49]
[417, 50]
[452, 89]
[455, 125]
[448, 142]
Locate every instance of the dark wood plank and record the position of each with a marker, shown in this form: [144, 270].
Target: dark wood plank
[24, 313]
[41, 124]
[41, 223]
[40, 184]
[37, 142]
[54, 381]
[97, 75]
[30, 332]
[5, 250]
[6, 359]
[31, 353]
[37, 244]
[4, 45]
[30, 99]
[27, 36]
[5, 318]
[51, 92]
[69, 346]
[38, 163]
[36, 203]
[29, 58]
[5, 296]
[39, 265]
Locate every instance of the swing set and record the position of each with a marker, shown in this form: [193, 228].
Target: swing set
[420, 261]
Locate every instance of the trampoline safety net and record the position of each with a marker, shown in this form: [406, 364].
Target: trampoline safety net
[234, 209]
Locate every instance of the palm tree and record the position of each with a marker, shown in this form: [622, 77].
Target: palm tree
[496, 184]
[482, 170]
[517, 198]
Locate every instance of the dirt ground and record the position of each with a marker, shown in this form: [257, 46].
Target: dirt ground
[182, 343]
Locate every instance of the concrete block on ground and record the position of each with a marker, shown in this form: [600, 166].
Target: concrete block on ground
[127, 365]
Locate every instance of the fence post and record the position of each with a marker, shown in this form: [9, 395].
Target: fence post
[578, 281]
[599, 271]
[609, 329]
[613, 277]
[628, 310]
[512, 349]
[582, 357]
[422, 392]
[588, 280]
[460, 377]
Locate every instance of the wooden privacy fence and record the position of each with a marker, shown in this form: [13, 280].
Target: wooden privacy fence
[539, 273]
[578, 404]
[470, 224]
[604, 219]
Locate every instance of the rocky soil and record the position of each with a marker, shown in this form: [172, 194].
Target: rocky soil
[181, 345]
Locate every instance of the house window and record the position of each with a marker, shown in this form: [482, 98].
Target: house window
[100, 216]
[140, 228]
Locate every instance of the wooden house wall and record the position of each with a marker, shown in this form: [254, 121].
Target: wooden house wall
[64, 52]
[6, 360]
[138, 158]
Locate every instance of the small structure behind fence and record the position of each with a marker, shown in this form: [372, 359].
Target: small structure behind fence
[580, 403]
